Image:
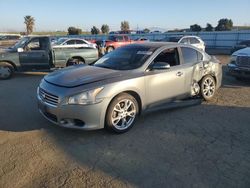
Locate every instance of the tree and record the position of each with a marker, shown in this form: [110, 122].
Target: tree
[105, 29]
[224, 24]
[146, 30]
[74, 31]
[125, 26]
[195, 27]
[209, 27]
[29, 22]
[95, 30]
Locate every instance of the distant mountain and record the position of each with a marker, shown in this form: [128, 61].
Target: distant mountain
[157, 29]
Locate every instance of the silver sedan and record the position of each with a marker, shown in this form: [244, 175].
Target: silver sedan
[122, 84]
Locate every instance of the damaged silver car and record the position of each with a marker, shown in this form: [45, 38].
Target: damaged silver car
[122, 84]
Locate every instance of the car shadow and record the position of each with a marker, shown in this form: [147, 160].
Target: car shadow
[204, 145]
[177, 147]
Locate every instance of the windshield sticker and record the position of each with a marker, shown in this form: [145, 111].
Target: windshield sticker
[144, 52]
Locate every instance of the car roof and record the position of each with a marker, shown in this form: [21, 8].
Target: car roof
[155, 44]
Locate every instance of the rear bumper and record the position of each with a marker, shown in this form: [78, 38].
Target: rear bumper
[236, 71]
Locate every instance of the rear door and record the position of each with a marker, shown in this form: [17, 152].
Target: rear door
[36, 54]
[192, 66]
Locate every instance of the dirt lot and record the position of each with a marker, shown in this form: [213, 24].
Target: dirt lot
[204, 145]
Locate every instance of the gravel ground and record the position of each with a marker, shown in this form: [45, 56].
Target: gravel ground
[204, 145]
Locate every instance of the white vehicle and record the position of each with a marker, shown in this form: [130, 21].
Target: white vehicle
[73, 43]
[192, 40]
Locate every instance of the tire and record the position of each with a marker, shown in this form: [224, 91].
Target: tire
[74, 61]
[110, 49]
[6, 71]
[208, 87]
[119, 117]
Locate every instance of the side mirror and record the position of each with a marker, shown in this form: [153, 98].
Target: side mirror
[161, 65]
[20, 50]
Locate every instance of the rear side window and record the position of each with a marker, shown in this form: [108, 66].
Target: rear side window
[184, 41]
[194, 41]
[80, 42]
[70, 42]
[190, 55]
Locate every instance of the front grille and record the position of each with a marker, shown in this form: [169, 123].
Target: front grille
[48, 97]
[243, 61]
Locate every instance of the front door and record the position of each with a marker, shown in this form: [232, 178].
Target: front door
[35, 54]
[166, 84]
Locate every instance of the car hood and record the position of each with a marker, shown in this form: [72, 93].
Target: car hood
[6, 50]
[78, 75]
[244, 51]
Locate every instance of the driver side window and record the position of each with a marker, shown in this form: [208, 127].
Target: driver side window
[34, 44]
[169, 56]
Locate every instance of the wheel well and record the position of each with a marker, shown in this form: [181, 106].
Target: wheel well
[210, 75]
[13, 64]
[78, 57]
[135, 95]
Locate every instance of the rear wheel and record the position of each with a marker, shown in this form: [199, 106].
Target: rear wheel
[6, 71]
[122, 113]
[208, 87]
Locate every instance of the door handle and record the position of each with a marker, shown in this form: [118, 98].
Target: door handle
[179, 73]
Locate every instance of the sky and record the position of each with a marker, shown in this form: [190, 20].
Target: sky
[52, 15]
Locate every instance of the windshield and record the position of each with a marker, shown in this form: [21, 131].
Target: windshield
[125, 58]
[174, 39]
[20, 43]
[60, 41]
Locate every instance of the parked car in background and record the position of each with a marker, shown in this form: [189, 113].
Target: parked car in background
[239, 66]
[156, 32]
[37, 53]
[192, 40]
[241, 45]
[142, 39]
[115, 41]
[123, 83]
[7, 40]
[73, 43]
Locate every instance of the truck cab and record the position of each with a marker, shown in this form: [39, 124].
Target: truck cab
[37, 53]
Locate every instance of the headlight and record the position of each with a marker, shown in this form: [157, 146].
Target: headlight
[88, 97]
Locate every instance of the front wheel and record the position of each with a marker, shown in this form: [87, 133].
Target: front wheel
[122, 113]
[6, 71]
[208, 87]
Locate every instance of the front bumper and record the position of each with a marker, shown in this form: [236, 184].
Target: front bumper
[240, 72]
[85, 117]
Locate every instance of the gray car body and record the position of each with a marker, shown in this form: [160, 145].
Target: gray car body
[150, 88]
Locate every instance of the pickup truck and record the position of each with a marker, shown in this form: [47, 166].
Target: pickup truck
[239, 66]
[36, 53]
[114, 41]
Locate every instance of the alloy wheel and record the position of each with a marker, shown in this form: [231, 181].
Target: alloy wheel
[208, 87]
[123, 114]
